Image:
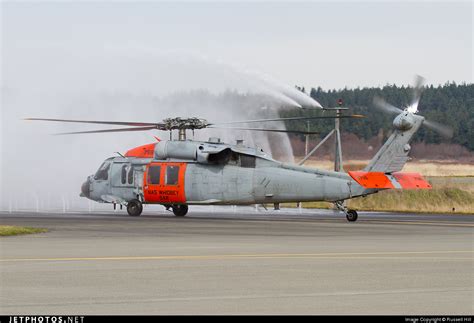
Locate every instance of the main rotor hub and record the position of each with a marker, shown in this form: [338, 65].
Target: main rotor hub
[184, 123]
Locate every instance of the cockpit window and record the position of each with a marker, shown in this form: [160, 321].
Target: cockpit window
[103, 172]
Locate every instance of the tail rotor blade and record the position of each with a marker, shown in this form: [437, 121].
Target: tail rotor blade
[385, 107]
[441, 129]
[417, 90]
[418, 87]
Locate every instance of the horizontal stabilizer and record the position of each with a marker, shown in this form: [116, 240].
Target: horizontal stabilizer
[372, 179]
[384, 181]
[411, 180]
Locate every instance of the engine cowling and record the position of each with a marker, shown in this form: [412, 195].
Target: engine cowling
[175, 150]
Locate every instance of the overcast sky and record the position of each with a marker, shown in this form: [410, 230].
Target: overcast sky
[103, 60]
[313, 44]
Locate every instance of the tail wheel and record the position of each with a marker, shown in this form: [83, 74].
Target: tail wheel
[134, 208]
[180, 209]
[351, 215]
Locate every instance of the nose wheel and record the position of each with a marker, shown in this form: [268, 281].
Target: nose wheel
[134, 208]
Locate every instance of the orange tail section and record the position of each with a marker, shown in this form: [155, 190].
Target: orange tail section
[411, 180]
[385, 181]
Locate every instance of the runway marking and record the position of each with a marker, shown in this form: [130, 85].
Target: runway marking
[442, 224]
[348, 293]
[343, 255]
[282, 218]
[316, 221]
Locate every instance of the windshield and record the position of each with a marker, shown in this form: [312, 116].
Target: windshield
[103, 171]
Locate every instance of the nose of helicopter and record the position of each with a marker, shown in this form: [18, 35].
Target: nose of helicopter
[86, 189]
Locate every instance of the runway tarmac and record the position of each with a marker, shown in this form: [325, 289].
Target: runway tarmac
[237, 261]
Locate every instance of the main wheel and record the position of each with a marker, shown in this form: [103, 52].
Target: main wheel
[180, 209]
[351, 215]
[134, 208]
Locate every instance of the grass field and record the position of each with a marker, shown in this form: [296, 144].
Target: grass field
[452, 192]
[444, 200]
[9, 230]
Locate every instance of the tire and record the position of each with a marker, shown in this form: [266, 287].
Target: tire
[134, 208]
[180, 209]
[351, 215]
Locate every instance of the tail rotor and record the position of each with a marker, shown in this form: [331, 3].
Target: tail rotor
[412, 108]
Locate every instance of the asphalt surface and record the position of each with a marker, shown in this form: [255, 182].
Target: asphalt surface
[238, 261]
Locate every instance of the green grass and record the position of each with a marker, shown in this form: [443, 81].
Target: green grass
[9, 230]
[436, 200]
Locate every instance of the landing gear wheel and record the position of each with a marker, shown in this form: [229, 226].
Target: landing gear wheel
[351, 215]
[134, 208]
[180, 209]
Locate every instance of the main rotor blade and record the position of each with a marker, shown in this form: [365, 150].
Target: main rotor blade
[107, 130]
[353, 116]
[384, 106]
[118, 123]
[269, 130]
[441, 129]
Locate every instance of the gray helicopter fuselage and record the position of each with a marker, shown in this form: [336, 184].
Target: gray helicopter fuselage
[190, 172]
[266, 183]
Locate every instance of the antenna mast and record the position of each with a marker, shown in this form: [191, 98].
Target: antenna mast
[338, 144]
[338, 151]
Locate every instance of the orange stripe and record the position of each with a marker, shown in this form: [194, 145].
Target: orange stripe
[162, 193]
[145, 151]
[371, 179]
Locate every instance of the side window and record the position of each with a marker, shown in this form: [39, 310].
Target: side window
[172, 175]
[130, 175]
[247, 161]
[103, 172]
[124, 174]
[154, 174]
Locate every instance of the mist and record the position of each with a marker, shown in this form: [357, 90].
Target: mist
[44, 172]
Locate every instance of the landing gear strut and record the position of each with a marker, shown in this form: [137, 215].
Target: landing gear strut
[134, 208]
[351, 215]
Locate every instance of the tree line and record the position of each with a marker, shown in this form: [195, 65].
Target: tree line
[450, 104]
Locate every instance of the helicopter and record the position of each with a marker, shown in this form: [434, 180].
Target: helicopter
[179, 173]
